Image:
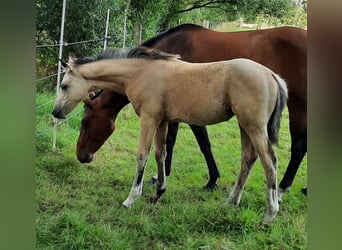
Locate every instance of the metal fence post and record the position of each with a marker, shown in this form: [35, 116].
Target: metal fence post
[106, 32]
[61, 43]
[125, 24]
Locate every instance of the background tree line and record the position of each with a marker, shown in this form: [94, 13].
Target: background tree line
[85, 20]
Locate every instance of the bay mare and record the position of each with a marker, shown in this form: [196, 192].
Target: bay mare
[281, 49]
[162, 88]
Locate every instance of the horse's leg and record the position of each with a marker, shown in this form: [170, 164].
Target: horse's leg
[248, 158]
[298, 151]
[298, 130]
[269, 162]
[147, 129]
[202, 138]
[160, 155]
[170, 143]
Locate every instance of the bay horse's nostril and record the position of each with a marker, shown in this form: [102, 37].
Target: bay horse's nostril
[85, 157]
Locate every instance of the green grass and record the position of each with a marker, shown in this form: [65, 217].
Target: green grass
[79, 205]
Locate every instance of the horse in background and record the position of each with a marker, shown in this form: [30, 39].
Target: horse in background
[281, 49]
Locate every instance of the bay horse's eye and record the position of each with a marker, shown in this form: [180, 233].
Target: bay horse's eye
[84, 122]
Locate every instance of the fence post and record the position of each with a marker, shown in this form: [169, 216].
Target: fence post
[61, 43]
[106, 32]
[140, 33]
[124, 33]
[125, 23]
[137, 34]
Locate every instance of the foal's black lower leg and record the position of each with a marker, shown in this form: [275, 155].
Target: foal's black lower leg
[202, 138]
[298, 151]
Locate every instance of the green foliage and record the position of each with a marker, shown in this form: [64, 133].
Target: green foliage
[85, 20]
[251, 9]
[78, 206]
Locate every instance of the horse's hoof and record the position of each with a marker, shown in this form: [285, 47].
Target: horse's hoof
[154, 199]
[211, 187]
[304, 191]
[153, 180]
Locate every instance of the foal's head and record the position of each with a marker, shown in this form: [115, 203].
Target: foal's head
[97, 123]
[73, 89]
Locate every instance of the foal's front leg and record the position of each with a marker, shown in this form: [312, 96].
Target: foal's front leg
[160, 156]
[147, 131]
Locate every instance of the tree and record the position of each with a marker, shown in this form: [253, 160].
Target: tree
[85, 20]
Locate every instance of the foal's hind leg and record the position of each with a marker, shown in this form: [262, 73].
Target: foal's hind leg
[170, 143]
[160, 155]
[269, 162]
[248, 159]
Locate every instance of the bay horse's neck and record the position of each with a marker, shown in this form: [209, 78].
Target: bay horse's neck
[111, 74]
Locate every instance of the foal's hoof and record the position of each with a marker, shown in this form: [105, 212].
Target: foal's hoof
[126, 204]
[304, 191]
[234, 200]
[269, 217]
[281, 192]
[268, 220]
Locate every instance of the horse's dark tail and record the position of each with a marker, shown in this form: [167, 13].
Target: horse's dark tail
[274, 122]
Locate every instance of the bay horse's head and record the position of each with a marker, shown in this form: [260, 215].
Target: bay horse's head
[97, 124]
[73, 89]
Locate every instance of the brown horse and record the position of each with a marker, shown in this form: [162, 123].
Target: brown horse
[281, 49]
[162, 88]
[100, 112]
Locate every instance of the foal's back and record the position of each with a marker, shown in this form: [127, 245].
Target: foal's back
[209, 93]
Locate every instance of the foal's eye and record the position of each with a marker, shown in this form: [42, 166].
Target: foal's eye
[63, 86]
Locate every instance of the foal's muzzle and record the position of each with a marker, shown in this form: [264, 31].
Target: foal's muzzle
[58, 113]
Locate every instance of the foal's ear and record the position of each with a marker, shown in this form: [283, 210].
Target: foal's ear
[72, 58]
[66, 65]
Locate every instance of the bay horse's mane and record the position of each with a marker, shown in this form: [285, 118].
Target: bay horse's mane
[138, 52]
[167, 33]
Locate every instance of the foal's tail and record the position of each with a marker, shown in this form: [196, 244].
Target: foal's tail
[274, 122]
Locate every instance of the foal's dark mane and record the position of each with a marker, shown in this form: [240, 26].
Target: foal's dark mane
[138, 52]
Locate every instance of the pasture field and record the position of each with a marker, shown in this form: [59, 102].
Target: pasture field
[78, 206]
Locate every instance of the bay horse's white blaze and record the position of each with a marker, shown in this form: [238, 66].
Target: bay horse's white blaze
[196, 93]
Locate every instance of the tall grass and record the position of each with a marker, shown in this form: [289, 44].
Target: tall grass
[79, 205]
